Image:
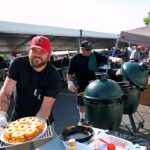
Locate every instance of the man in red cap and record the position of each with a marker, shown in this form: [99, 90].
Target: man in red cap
[35, 82]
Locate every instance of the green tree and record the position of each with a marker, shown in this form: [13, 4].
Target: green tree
[147, 19]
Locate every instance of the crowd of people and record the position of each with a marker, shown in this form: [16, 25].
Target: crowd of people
[36, 82]
[130, 52]
[137, 53]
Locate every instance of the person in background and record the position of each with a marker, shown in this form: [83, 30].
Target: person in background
[148, 55]
[148, 61]
[36, 84]
[112, 51]
[3, 65]
[12, 57]
[145, 52]
[83, 66]
[130, 48]
[135, 54]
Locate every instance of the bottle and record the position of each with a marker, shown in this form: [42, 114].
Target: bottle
[72, 144]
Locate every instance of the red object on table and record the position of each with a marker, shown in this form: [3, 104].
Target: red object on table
[110, 146]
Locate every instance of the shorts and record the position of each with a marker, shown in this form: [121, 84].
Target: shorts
[80, 101]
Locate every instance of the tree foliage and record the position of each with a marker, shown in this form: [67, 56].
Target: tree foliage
[147, 19]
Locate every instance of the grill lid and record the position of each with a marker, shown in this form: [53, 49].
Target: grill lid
[135, 73]
[103, 89]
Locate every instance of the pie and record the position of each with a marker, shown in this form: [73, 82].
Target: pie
[23, 129]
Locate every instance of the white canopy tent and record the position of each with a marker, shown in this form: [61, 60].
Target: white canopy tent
[15, 37]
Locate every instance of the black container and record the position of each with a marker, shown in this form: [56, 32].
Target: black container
[103, 103]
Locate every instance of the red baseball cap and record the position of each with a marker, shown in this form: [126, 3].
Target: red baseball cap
[141, 46]
[42, 43]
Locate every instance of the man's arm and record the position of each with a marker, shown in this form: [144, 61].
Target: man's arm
[6, 92]
[46, 107]
[116, 60]
[69, 77]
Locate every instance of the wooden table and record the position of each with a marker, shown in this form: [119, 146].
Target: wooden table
[145, 95]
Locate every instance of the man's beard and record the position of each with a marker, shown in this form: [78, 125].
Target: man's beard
[35, 63]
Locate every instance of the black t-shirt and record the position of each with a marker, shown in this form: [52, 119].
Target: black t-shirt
[32, 86]
[79, 66]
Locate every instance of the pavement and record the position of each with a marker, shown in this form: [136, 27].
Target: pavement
[66, 114]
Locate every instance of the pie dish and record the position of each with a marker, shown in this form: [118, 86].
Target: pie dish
[80, 133]
[23, 130]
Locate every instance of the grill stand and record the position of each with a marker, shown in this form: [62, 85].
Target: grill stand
[134, 126]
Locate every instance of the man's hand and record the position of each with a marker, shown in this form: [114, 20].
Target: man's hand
[117, 60]
[148, 60]
[3, 119]
[71, 86]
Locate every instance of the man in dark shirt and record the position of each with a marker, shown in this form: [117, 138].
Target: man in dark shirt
[35, 83]
[84, 70]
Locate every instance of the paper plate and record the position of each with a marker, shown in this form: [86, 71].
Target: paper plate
[38, 136]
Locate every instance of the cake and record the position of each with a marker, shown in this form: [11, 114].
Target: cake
[23, 130]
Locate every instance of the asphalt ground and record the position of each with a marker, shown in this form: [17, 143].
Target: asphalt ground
[66, 114]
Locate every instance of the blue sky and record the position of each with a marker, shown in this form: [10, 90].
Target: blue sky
[111, 16]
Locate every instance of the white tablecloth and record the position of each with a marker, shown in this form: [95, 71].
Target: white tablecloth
[117, 141]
